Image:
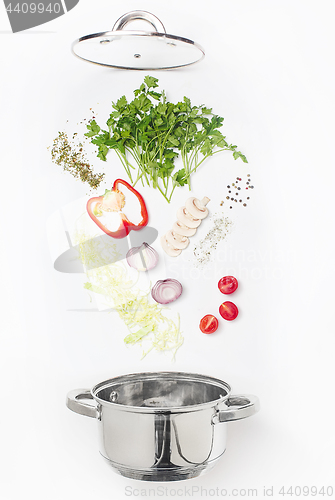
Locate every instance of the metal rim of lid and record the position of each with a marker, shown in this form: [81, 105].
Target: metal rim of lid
[118, 32]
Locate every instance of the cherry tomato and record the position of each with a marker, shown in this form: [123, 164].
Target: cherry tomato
[228, 284]
[209, 324]
[228, 311]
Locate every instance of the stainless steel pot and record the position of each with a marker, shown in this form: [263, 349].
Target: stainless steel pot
[163, 426]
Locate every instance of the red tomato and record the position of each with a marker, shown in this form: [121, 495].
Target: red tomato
[228, 284]
[228, 311]
[209, 324]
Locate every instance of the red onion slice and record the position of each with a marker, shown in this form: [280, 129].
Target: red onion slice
[142, 258]
[166, 291]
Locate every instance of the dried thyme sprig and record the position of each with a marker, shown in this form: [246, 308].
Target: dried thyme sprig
[72, 158]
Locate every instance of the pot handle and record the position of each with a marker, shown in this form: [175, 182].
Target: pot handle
[239, 406]
[74, 403]
[141, 15]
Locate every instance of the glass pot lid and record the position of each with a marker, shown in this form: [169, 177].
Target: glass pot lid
[143, 50]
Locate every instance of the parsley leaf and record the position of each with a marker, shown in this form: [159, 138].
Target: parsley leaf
[93, 129]
[180, 177]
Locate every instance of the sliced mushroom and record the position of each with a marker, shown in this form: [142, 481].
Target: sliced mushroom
[176, 240]
[197, 208]
[180, 228]
[186, 218]
[189, 218]
[173, 252]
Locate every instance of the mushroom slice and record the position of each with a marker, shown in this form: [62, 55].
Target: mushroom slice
[180, 228]
[176, 240]
[173, 252]
[197, 208]
[186, 218]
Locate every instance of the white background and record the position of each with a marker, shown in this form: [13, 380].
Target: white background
[269, 70]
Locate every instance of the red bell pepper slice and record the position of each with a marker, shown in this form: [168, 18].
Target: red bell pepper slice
[113, 201]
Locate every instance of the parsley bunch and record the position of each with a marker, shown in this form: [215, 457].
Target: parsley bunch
[151, 132]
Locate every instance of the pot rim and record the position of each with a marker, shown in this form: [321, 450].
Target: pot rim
[196, 377]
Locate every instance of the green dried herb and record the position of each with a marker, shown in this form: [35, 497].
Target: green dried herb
[72, 158]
